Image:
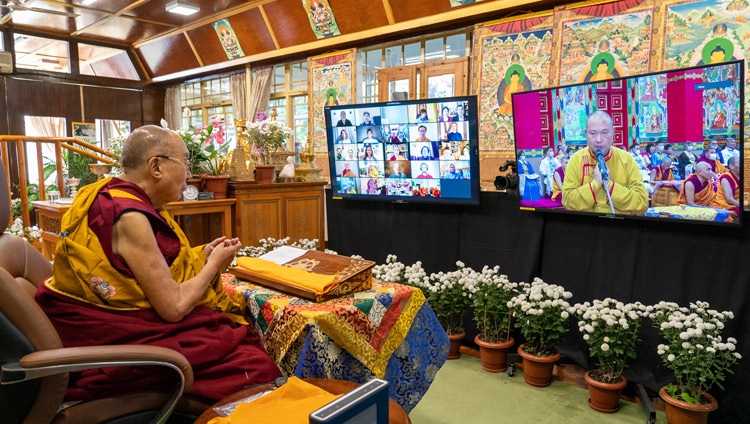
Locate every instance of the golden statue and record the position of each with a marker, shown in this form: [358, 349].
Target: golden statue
[241, 166]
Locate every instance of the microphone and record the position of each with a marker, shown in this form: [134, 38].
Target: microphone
[602, 165]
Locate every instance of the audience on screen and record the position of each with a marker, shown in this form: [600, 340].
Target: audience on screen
[697, 190]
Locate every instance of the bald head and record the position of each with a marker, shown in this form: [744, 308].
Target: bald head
[143, 142]
[733, 161]
[702, 166]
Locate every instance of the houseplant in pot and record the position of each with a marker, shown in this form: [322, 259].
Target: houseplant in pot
[194, 139]
[540, 312]
[610, 328]
[266, 138]
[448, 295]
[215, 149]
[695, 350]
[491, 292]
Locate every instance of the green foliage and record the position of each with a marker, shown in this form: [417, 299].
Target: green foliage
[448, 295]
[207, 146]
[694, 348]
[490, 296]
[610, 328]
[541, 312]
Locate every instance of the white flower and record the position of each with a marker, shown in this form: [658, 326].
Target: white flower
[164, 123]
[670, 357]
[605, 347]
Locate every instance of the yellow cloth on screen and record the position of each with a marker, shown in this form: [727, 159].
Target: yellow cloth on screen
[291, 403]
[296, 277]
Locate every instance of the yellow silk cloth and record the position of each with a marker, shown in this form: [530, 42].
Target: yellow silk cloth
[370, 335]
[291, 403]
[297, 277]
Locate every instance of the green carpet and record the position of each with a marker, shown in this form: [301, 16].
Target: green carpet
[464, 393]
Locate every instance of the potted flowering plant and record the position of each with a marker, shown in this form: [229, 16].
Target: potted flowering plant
[266, 137]
[610, 328]
[394, 271]
[448, 295]
[696, 352]
[207, 148]
[541, 311]
[491, 292]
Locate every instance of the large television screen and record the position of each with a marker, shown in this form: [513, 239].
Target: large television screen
[405, 151]
[666, 145]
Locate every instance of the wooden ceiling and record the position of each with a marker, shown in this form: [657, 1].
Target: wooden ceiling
[174, 47]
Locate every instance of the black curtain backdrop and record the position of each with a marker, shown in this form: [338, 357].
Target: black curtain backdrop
[594, 258]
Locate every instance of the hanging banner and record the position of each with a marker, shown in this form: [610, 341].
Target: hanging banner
[228, 39]
[321, 17]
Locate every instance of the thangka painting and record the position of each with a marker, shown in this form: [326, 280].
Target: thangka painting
[511, 61]
[651, 107]
[602, 42]
[228, 39]
[721, 103]
[571, 107]
[322, 21]
[332, 84]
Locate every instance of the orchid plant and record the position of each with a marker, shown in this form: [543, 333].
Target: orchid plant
[267, 136]
[694, 347]
[207, 146]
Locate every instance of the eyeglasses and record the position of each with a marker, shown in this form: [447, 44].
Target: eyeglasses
[186, 163]
[594, 134]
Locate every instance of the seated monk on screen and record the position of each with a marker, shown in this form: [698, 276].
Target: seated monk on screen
[728, 189]
[712, 158]
[125, 274]
[697, 190]
[558, 178]
[663, 172]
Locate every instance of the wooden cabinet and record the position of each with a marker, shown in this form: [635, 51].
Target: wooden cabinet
[294, 210]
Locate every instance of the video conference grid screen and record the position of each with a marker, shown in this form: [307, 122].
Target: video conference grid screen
[406, 151]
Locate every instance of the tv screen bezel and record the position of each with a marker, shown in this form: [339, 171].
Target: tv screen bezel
[473, 144]
[740, 145]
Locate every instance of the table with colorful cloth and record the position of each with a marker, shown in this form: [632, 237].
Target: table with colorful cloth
[387, 332]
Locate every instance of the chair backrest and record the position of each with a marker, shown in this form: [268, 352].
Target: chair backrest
[24, 328]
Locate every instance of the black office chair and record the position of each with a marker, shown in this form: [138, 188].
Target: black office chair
[35, 365]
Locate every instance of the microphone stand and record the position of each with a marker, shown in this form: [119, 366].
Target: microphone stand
[609, 197]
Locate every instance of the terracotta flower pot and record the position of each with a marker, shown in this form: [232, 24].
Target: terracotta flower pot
[265, 173]
[494, 356]
[217, 184]
[537, 370]
[604, 397]
[455, 345]
[679, 412]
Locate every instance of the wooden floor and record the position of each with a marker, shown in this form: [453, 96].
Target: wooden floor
[573, 375]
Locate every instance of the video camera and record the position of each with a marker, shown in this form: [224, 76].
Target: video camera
[508, 181]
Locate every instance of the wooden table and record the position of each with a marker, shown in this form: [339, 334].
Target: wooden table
[396, 414]
[49, 218]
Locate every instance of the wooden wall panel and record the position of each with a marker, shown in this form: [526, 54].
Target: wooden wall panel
[98, 104]
[153, 106]
[404, 10]
[208, 46]
[38, 98]
[355, 16]
[168, 55]
[290, 23]
[3, 107]
[252, 32]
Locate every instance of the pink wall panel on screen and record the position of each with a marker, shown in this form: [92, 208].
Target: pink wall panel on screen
[526, 120]
[684, 109]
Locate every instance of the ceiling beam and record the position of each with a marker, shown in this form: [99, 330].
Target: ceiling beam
[269, 27]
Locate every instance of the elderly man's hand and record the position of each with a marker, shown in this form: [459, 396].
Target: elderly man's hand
[222, 251]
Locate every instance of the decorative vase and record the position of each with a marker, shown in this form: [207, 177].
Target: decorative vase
[454, 352]
[537, 370]
[604, 397]
[679, 412]
[217, 184]
[494, 356]
[265, 173]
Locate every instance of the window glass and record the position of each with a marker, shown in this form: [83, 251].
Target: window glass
[393, 57]
[455, 46]
[105, 62]
[43, 54]
[413, 53]
[433, 50]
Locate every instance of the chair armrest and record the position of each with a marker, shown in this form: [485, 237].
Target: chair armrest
[64, 360]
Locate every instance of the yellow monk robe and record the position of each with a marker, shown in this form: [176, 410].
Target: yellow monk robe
[720, 201]
[319, 283]
[80, 260]
[582, 193]
[704, 192]
[294, 401]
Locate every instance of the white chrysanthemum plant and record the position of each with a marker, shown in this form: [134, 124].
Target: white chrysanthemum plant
[694, 348]
[267, 137]
[490, 292]
[610, 328]
[541, 311]
[30, 234]
[448, 295]
[393, 271]
[269, 244]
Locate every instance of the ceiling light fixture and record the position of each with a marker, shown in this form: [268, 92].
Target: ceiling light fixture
[182, 8]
